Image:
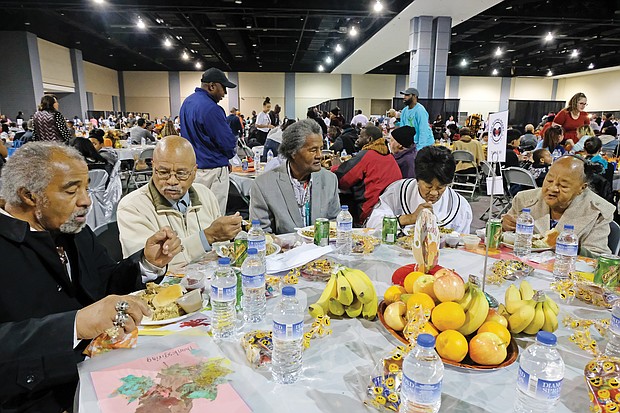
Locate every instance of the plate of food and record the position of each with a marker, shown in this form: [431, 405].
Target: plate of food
[318, 270]
[169, 303]
[226, 248]
[364, 241]
[540, 242]
[307, 233]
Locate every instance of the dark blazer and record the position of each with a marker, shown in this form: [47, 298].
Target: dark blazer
[38, 304]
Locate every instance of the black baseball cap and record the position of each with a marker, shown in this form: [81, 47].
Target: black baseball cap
[215, 75]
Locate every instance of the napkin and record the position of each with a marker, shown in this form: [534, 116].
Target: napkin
[296, 257]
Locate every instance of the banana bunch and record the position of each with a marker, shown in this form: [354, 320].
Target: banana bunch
[476, 307]
[529, 311]
[348, 291]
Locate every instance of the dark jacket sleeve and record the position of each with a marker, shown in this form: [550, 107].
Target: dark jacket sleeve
[338, 145]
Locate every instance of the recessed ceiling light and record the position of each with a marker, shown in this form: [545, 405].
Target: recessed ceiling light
[185, 56]
[338, 48]
[353, 31]
[140, 24]
[198, 65]
[328, 59]
[27, 23]
[495, 72]
[591, 66]
[498, 52]
[232, 44]
[378, 6]
[195, 44]
[253, 44]
[111, 55]
[220, 25]
[463, 63]
[549, 37]
[179, 37]
[238, 1]
[575, 53]
[238, 56]
[248, 27]
[167, 43]
[321, 68]
[549, 73]
[99, 1]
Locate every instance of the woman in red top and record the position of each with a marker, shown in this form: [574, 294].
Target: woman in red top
[573, 116]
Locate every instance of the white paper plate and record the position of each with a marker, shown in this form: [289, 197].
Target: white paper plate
[146, 320]
[505, 244]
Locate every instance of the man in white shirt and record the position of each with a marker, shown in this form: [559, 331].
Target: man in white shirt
[359, 118]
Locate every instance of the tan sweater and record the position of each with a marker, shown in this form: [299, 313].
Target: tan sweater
[466, 143]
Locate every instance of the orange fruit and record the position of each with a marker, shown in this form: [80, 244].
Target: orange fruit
[424, 300]
[451, 345]
[393, 293]
[410, 279]
[496, 328]
[448, 316]
[429, 328]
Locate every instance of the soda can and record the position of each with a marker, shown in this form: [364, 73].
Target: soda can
[607, 271]
[244, 164]
[321, 232]
[494, 232]
[390, 230]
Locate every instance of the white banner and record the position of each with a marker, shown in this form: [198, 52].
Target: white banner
[498, 125]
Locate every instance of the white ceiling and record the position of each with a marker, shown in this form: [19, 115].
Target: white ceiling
[393, 39]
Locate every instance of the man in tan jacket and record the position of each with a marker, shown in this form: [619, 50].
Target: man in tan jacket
[473, 146]
[172, 199]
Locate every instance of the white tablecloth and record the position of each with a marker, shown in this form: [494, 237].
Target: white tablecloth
[337, 368]
[131, 152]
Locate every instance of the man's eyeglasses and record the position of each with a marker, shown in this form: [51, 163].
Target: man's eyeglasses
[180, 175]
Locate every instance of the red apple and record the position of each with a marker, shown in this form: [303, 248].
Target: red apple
[398, 278]
[449, 287]
[444, 271]
[424, 284]
[487, 349]
[433, 270]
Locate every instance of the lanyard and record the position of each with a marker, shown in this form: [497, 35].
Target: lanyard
[306, 202]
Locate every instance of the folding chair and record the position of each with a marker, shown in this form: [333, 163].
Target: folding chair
[518, 176]
[466, 186]
[500, 202]
[237, 202]
[613, 241]
[141, 177]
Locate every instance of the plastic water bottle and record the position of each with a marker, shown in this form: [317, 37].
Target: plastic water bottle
[523, 234]
[269, 155]
[566, 248]
[253, 284]
[613, 345]
[223, 300]
[288, 332]
[539, 381]
[344, 230]
[343, 153]
[256, 239]
[420, 390]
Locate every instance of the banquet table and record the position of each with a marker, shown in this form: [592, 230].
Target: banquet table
[337, 368]
[131, 152]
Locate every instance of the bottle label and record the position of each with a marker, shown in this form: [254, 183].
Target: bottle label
[569, 250]
[345, 226]
[260, 245]
[223, 294]
[420, 392]
[253, 281]
[288, 331]
[538, 388]
[615, 324]
[525, 229]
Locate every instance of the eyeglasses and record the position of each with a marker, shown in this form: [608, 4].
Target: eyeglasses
[583, 103]
[180, 175]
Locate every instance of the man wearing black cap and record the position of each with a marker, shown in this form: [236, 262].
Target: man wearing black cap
[403, 149]
[204, 124]
[415, 115]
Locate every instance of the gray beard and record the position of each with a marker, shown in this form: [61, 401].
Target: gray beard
[71, 225]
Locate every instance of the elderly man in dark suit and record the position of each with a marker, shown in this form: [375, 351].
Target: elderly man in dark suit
[299, 191]
[57, 279]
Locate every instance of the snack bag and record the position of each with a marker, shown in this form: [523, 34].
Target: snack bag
[383, 391]
[105, 342]
[258, 346]
[426, 241]
[602, 376]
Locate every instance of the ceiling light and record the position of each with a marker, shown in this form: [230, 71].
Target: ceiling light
[463, 63]
[498, 52]
[140, 24]
[495, 72]
[232, 44]
[575, 53]
[328, 59]
[353, 31]
[253, 44]
[185, 56]
[220, 25]
[549, 73]
[338, 48]
[99, 1]
[248, 27]
[591, 66]
[238, 1]
[198, 65]
[321, 68]
[179, 37]
[238, 56]
[378, 6]
[548, 37]
[167, 43]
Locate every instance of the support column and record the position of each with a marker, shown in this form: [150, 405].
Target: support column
[420, 33]
[554, 89]
[174, 90]
[116, 107]
[346, 86]
[504, 93]
[454, 87]
[233, 94]
[22, 81]
[441, 37]
[400, 84]
[121, 91]
[90, 102]
[289, 95]
[75, 103]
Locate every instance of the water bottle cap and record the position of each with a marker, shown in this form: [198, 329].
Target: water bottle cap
[546, 338]
[568, 226]
[344, 207]
[224, 261]
[526, 210]
[255, 222]
[252, 251]
[426, 340]
[288, 291]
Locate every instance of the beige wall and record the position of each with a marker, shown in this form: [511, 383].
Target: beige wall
[147, 92]
[479, 94]
[602, 89]
[254, 87]
[314, 88]
[102, 102]
[524, 88]
[55, 64]
[368, 87]
[102, 83]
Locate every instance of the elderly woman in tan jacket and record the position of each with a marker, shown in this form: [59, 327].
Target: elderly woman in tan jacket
[565, 199]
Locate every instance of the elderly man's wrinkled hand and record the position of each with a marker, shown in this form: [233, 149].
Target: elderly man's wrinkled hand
[98, 317]
[224, 228]
[509, 222]
[162, 246]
